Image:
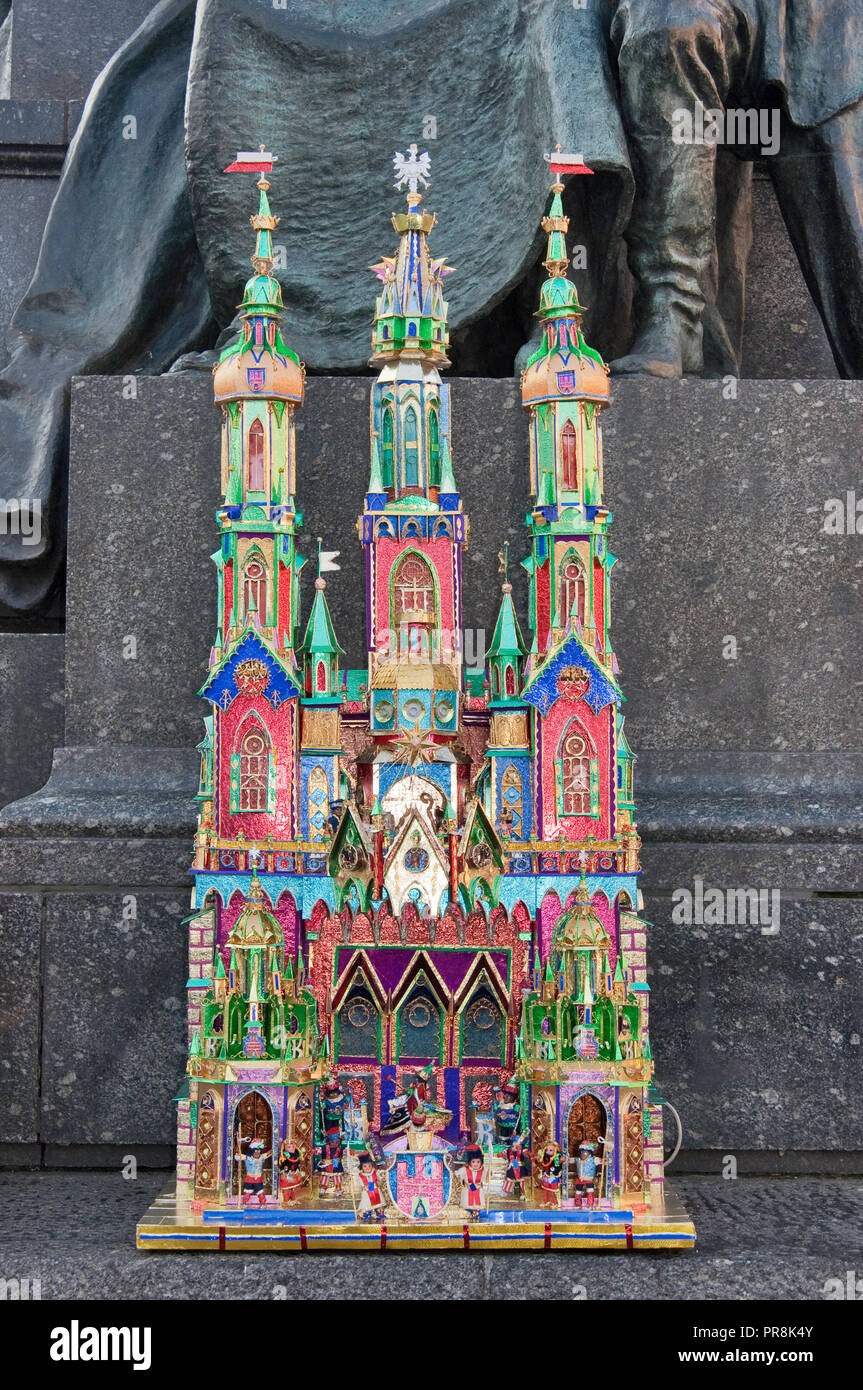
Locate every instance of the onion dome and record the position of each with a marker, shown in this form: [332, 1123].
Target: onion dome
[580, 928]
[259, 362]
[563, 365]
[411, 312]
[255, 926]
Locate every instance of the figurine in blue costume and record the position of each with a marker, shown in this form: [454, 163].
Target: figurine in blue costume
[586, 1168]
[253, 1161]
[507, 1112]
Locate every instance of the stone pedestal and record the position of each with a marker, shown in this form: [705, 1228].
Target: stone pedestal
[737, 625]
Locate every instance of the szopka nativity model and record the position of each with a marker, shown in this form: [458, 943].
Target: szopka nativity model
[418, 1006]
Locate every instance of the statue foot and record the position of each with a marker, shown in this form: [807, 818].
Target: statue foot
[663, 348]
[524, 352]
[194, 362]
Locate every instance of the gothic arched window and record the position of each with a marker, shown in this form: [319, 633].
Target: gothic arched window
[571, 594]
[255, 589]
[414, 588]
[568, 464]
[577, 785]
[412, 453]
[434, 450]
[256, 457]
[482, 1026]
[419, 1025]
[387, 447]
[359, 1024]
[414, 605]
[254, 770]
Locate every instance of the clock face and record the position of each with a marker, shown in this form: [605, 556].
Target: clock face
[384, 711]
[444, 711]
[419, 1014]
[359, 1013]
[413, 709]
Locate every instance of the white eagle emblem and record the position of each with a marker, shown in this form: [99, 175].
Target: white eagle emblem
[412, 169]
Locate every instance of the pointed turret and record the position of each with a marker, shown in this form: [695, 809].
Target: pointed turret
[319, 646]
[563, 382]
[410, 408]
[508, 648]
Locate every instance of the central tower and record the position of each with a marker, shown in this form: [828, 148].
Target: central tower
[413, 527]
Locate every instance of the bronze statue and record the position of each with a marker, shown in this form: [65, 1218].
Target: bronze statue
[134, 273]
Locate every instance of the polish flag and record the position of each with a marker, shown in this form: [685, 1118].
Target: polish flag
[565, 162]
[252, 162]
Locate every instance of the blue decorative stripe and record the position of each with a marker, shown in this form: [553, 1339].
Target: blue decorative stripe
[305, 889]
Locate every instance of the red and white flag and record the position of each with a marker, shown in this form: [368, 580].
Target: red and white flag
[565, 162]
[252, 162]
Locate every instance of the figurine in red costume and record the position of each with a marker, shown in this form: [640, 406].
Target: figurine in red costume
[371, 1200]
[473, 1178]
[253, 1170]
[549, 1167]
[517, 1168]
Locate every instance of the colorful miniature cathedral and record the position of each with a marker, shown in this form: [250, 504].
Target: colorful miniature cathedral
[416, 921]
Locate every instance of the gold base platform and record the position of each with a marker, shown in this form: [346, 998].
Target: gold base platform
[172, 1225]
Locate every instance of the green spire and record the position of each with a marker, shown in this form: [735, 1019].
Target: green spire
[219, 973]
[195, 1050]
[507, 639]
[546, 489]
[549, 973]
[558, 297]
[447, 478]
[263, 293]
[376, 480]
[264, 224]
[320, 639]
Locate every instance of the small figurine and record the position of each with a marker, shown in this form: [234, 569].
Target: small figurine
[371, 1200]
[333, 1105]
[253, 1169]
[473, 1178]
[507, 1111]
[290, 1171]
[549, 1168]
[585, 1175]
[331, 1168]
[420, 1135]
[517, 1168]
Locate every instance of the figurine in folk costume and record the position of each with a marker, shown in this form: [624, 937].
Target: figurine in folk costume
[507, 1111]
[517, 1167]
[586, 1175]
[474, 1178]
[331, 1168]
[371, 1198]
[290, 1170]
[253, 1161]
[334, 1102]
[549, 1167]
